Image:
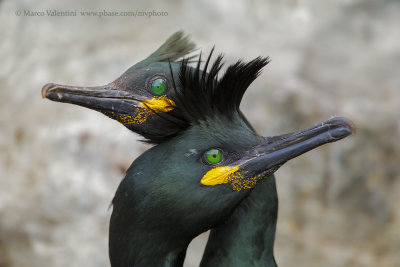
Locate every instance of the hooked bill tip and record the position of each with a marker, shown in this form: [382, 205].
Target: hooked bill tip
[346, 123]
[46, 88]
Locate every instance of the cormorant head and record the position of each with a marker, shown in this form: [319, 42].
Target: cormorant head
[139, 95]
[193, 181]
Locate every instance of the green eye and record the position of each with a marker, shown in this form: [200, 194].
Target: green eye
[159, 86]
[213, 156]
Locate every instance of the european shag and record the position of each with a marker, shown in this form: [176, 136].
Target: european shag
[139, 94]
[141, 97]
[223, 166]
[176, 46]
[196, 180]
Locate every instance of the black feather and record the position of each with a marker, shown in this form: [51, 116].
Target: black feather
[177, 46]
[203, 97]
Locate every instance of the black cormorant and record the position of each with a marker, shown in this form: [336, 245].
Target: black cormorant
[141, 97]
[210, 112]
[196, 180]
[139, 94]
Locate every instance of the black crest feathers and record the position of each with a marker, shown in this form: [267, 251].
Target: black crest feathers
[203, 96]
[174, 48]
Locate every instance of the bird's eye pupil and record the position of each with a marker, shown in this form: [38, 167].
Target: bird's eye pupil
[159, 86]
[213, 156]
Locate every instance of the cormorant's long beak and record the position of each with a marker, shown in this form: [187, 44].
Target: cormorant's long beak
[277, 150]
[105, 98]
[122, 105]
[264, 159]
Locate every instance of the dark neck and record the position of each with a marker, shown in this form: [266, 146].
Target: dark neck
[136, 247]
[137, 240]
[247, 237]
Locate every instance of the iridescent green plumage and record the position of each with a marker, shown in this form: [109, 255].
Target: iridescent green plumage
[162, 204]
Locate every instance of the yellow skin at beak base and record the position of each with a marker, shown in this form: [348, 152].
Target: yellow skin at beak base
[161, 104]
[236, 178]
[218, 175]
[148, 107]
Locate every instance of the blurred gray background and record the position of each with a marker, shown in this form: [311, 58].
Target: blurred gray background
[60, 164]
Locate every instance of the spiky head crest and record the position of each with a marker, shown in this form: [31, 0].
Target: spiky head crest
[204, 98]
[177, 46]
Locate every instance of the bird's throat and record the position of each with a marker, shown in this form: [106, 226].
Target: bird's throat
[247, 237]
[148, 251]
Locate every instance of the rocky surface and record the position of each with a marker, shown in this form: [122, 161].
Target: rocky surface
[60, 164]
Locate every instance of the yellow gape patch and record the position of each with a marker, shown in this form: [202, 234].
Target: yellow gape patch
[218, 175]
[235, 176]
[147, 108]
[161, 104]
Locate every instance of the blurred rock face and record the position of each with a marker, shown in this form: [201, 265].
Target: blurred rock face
[60, 164]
